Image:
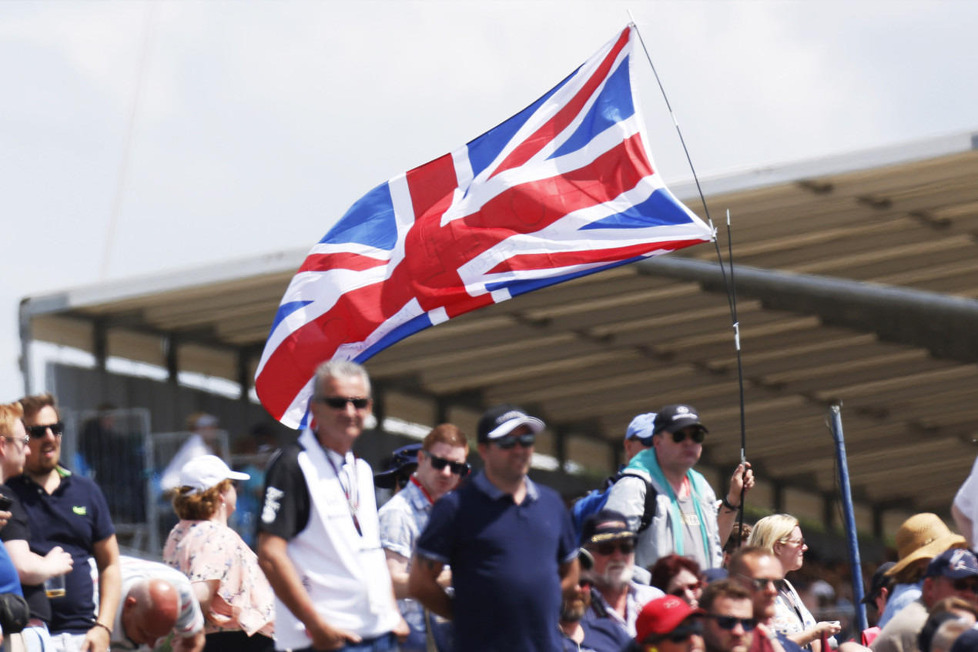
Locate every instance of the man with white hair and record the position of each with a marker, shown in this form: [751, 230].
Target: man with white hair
[319, 537]
[617, 596]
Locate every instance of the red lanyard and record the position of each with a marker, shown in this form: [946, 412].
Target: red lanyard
[414, 479]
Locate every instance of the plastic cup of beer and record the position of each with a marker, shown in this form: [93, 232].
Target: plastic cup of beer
[54, 587]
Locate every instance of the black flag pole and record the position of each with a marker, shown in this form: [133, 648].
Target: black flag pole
[728, 284]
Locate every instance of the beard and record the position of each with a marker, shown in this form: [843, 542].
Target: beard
[617, 575]
[571, 611]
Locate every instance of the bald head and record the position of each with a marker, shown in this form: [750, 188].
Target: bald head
[150, 611]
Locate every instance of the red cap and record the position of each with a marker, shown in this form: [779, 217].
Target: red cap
[661, 616]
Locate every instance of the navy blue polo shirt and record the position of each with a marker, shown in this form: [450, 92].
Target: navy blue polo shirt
[504, 560]
[74, 517]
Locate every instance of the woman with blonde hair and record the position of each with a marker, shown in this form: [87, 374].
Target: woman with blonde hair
[236, 598]
[781, 535]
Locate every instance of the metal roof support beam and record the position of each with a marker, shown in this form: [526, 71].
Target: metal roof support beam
[777, 497]
[100, 343]
[560, 447]
[828, 511]
[377, 389]
[170, 355]
[878, 522]
[26, 339]
[943, 324]
[442, 408]
[244, 380]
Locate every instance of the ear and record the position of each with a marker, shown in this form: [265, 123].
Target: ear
[420, 455]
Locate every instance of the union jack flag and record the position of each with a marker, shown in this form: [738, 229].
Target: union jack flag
[562, 189]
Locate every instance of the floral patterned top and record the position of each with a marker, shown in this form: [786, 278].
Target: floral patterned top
[791, 616]
[207, 550]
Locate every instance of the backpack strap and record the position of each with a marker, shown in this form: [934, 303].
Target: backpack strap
[650, 495]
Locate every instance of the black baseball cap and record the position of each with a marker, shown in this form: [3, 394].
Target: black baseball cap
[503, 419]
[673, 418]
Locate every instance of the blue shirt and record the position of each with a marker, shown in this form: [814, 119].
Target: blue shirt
[74, 517]
[505, 559]
[602, 633]
[402, 519]
[900, 597]
[9, 580]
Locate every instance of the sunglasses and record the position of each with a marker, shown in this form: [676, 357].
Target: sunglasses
[606, 548]
[729, 622]
[506, 443]
[680, 591]
[339, 402]
[760, 583]
[697, 436]
[439, 463]
[966, 584]
[36, 432]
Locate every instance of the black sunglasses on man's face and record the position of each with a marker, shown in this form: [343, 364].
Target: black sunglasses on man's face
[697, 435]
[460, 469]
[510, 441]
[37, 432]
[339, 402]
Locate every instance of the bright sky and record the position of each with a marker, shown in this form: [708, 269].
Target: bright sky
[139, 137]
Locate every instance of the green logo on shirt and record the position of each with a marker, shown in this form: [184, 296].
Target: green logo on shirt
[81, 511]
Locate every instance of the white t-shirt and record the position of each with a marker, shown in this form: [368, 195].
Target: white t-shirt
[967, 500]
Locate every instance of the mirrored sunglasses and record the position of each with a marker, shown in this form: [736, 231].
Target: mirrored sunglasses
[439, 463]
[36, 432]
[510, 441]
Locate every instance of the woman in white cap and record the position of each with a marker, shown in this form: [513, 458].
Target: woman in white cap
[236, 598]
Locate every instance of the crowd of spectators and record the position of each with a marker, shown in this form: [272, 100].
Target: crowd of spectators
[291, 549]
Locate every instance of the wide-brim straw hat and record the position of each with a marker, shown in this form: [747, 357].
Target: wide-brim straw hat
[923, 536]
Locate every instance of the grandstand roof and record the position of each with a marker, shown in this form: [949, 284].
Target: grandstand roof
[857, 282]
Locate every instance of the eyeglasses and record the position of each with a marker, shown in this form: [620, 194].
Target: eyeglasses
[966, 584]
[729, 622]
[698, 435]
[439, 463]
[795, 542]
[339, 402]
[606, 548]
[22, 440]
[36, 432]
[760, 583]
[506, 443]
